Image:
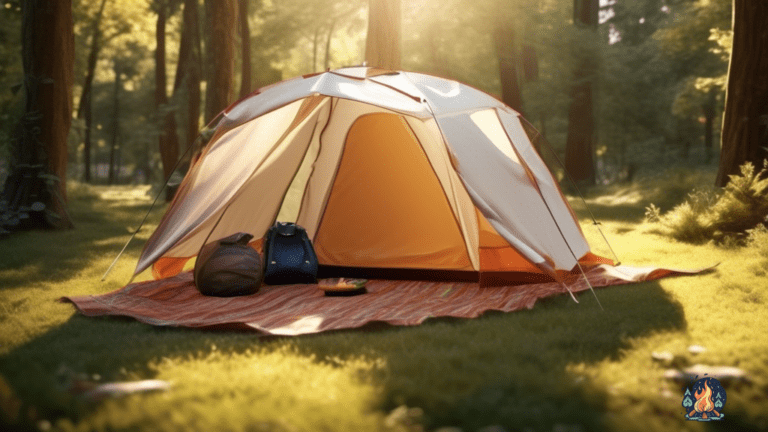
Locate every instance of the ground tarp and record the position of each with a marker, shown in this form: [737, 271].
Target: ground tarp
[291, 310]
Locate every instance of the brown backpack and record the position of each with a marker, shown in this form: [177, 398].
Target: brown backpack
[229, 267]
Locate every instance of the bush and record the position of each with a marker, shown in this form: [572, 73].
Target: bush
[757, 242]
[725, 217]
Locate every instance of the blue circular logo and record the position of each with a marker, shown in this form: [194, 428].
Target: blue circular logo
[705, 400]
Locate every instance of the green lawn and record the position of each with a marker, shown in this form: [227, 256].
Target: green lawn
[559, 367]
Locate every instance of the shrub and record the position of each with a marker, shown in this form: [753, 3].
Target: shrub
[725, 217]
[757, 242]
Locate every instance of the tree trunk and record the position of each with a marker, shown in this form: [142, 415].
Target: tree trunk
[586, 12]
[186, 86]
[327, 62]
[745, 122]
[579, 153]
[504, 39]
[579, 145]
[221, 18]
[433, 42]
[245, 50]
[85, 106]
[708, 110]
[382, 44]
[315, 38]
[88, 117]
[168, 141]
[115, 123]
[47, 46]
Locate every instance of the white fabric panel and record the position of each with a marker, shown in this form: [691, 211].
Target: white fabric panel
[547, 184]
[503, 192]
[355, 71]
[239, 151]
[343, 114]
[488, 121]
[255, 206]
[401, 83]
[447, 96]
[289, 211]
[328, 84]
[461, 204]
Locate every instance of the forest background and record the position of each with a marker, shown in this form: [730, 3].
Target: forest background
[658, 68]
[146, 76]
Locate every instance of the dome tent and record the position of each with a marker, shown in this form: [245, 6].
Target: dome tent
[392, 174]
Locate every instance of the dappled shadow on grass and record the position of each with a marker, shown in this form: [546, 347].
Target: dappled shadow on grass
[512, 369]
[54, 256]
[113, 348]
[509, 369]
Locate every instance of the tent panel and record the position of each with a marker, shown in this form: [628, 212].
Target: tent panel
[550, 191]
[450, 97]
[343, 113]
[430, 138]
[385, 180]
[496, 255]
[302, 126]
[501, 189]
[254, 208]
[488, 122]
[207, 187]
[328, 84]
[289, 211]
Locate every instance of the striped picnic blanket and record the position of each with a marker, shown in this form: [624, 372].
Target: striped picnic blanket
[303, 309]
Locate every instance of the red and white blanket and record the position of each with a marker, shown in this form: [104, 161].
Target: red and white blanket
[290, 310]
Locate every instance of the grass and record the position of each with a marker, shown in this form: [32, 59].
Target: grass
[559, 367]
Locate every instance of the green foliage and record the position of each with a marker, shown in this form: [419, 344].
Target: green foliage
[725, 217]
[757, 244]
[10, 73]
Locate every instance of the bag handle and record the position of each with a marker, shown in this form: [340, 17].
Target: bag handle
[239, 238]
[286, 229]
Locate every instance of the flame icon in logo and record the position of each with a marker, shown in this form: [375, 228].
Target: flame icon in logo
[706, 402]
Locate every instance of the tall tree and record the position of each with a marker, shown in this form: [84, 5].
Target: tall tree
[47, 46]
[84, 107]
[220, 18]
[245, 49]
[168, 139]
[113, 170]
[745, 123]
[504, 40]
[186, 86]
[382, 44]
[579, 145]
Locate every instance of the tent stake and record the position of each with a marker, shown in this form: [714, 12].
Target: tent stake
[569, 291]
[589, 285]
